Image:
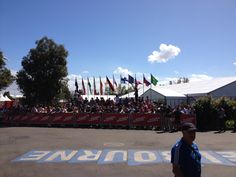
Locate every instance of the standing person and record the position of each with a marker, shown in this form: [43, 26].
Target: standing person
[177, 113]
[234, 116]
[185, 156]
[221, 117]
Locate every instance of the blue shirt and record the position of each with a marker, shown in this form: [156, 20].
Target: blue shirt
[187, 157]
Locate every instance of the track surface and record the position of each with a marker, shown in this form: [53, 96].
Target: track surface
[16, 141]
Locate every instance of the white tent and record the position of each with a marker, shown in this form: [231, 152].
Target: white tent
[216, 87]
[170, 97]
[4, 98]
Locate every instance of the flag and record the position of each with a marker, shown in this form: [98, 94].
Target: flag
[76, 85]
[83, 87]
[137, 82]
[153, 80]
[131, 79]
[145, 81]
[110, 84]
[123, 80]
[94, 87]
[101, 87]
[89, 85]
[114, 81]
[136, 89]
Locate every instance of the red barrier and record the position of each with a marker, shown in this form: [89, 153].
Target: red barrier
[139, 119]
[18, 118]
[62, 119]
[88, 119]
[188, 118]
[39, 118]
[115, 119]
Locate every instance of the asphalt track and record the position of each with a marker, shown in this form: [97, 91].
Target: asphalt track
[16, 141]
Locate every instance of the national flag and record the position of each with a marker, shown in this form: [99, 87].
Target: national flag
[101, 87]
[110, 84]
[76, 85]
[84, 90]
[136, 89]
[94, 87]
[130, 79]
[89, 85]
[145, 81]
[153, 80]
[137, 82]
[114, 81]
[123, 80]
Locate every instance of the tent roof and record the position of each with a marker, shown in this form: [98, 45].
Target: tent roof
[2, 98]
[201, 87]
[167, 92]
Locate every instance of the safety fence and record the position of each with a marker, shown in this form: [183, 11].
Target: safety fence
[90, 119]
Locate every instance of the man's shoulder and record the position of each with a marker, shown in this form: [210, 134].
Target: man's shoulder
[194, 145]
[177, 145]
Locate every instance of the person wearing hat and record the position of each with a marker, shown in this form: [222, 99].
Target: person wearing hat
[185, 156]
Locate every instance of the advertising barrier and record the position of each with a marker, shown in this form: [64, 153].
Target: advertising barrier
[115, 119]
[39, 119]
[87, 118]
[71, 119]
[62, 119]
[188, 118]
[139, 119]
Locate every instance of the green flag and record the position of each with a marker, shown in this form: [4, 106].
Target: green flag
[153, 80]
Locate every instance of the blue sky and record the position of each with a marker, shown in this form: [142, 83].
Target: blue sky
[168, 38]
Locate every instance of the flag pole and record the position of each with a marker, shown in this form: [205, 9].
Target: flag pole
[128, 89]
[151, 88]
[143, 83]
[87, 89]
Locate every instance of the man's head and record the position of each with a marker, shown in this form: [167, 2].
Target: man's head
[189, 132]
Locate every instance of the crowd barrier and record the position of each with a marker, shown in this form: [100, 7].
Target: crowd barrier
[90, 119]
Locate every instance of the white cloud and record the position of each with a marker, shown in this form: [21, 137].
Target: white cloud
[234, 63]
[165, 53]
[85, 72]
[122, 71]
[176, 72]
[71, 82]
[192, 78]
[199, 77]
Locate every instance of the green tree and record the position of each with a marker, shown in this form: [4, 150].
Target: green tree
[65, 93]
[5, 74]
[206, 113]
[44, 68]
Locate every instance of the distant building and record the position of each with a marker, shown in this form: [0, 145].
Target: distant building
[189, 92]
[216, 87]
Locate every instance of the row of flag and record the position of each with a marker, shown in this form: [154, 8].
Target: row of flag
[123, 80]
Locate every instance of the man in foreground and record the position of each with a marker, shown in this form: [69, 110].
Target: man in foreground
[185, 156]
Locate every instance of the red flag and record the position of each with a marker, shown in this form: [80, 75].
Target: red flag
[89, 85]
[110, 84]
[137, 82]
[101, 87]
[94, 87]
[145, 81]
[83, 87]
[114, 81]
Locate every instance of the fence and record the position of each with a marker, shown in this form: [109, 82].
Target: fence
[89, 119]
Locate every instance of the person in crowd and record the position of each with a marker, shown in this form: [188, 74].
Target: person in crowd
[221, 119]
[177, 113]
